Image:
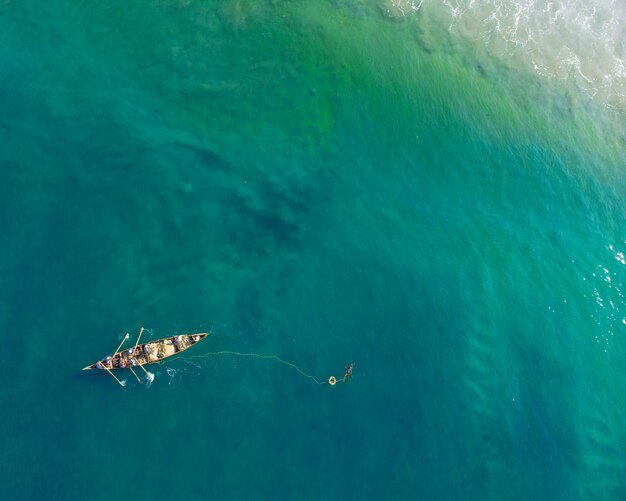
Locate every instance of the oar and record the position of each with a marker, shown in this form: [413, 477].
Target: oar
[136, 377]
[149, 374]
[107, 369]
[123, 341]
[114, 377]
[138, 337]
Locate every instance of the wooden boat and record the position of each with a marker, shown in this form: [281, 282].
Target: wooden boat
[146, 353]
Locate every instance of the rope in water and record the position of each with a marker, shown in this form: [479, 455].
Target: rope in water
[264, 357]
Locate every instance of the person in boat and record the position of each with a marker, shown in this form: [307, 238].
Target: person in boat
[348, 372]
[104, 364]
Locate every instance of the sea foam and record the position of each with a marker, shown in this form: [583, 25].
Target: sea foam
[580, 42]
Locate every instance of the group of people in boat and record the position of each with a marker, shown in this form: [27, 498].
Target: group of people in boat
[146, 353]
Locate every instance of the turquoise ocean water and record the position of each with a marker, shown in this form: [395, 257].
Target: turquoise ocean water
[408, 186]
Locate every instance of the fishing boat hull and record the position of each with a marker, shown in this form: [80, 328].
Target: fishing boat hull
[148, 353]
